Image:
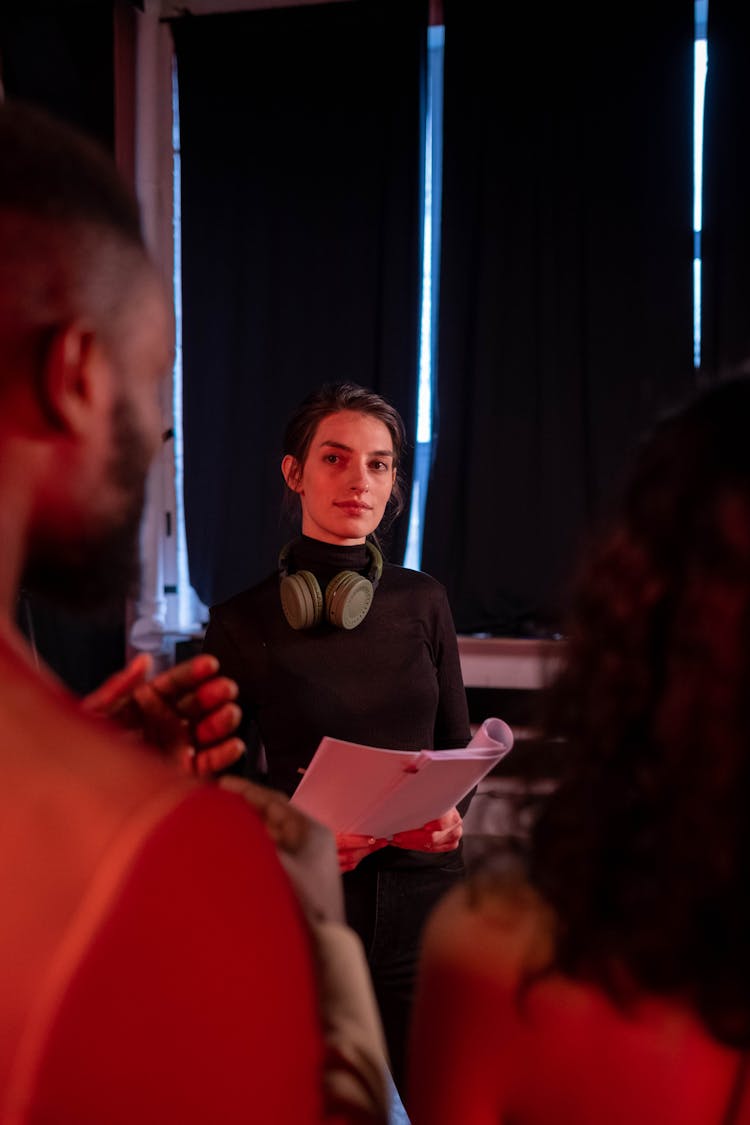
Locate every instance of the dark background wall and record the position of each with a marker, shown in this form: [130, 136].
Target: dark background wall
[566, 306]
[565, 313]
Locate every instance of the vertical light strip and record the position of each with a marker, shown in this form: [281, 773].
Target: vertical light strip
[424, 392]
[428, 312]
[700, 66]
[190, 611]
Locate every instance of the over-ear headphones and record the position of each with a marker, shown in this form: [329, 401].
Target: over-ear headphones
[347, 598]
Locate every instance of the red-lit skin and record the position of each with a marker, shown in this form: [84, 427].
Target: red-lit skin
[555, 1050]
[95, 865]
[188, 710]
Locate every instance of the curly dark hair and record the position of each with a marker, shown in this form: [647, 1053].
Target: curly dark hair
[644, 849]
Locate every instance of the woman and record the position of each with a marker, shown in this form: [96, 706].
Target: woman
[612, 984]
[337, 642]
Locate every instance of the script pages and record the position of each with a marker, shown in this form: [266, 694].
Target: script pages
[354, 788]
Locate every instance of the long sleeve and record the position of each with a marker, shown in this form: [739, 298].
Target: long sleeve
[452, 719]
[393, 681]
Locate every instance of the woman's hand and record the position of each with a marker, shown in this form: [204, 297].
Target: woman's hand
[187, 711]
[442, 835]
[352, 848]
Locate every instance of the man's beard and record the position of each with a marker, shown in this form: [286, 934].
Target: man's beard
[101, 569]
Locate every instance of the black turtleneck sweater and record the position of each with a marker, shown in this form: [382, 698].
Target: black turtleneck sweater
[393, 681]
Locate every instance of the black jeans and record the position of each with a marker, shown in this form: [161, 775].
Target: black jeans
[388, 909]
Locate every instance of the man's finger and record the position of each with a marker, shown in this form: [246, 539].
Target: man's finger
[217, 726]
[207, 697]
[186, 675]
[119, 687]
[154, 706]
[217, 758]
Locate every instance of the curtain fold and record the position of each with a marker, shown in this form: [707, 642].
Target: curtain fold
[301, 134]
[726, 190]
[565, 291]
[60, 56]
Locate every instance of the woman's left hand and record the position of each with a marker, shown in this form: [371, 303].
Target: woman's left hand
[352, 848]
[440, 835]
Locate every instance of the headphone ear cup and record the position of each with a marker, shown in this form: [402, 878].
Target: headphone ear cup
[301, 599]
[348, 598]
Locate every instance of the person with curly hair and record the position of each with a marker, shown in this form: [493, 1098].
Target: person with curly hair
[609, 982]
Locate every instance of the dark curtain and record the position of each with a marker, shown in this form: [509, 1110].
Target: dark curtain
[566, 286]
[59, 55]
[726, 189]
[300, 147]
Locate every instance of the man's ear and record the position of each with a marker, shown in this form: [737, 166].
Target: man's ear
[71, 380]
[292, 473]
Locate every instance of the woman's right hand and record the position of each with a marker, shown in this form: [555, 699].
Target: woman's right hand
[352, 848]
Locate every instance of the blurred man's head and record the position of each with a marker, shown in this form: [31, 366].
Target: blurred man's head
[85, 338]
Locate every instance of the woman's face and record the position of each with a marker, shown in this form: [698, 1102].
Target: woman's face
[347, 477]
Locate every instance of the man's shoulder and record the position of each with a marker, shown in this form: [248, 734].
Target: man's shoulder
[68, 757]
[185, 921]
[72, 783]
